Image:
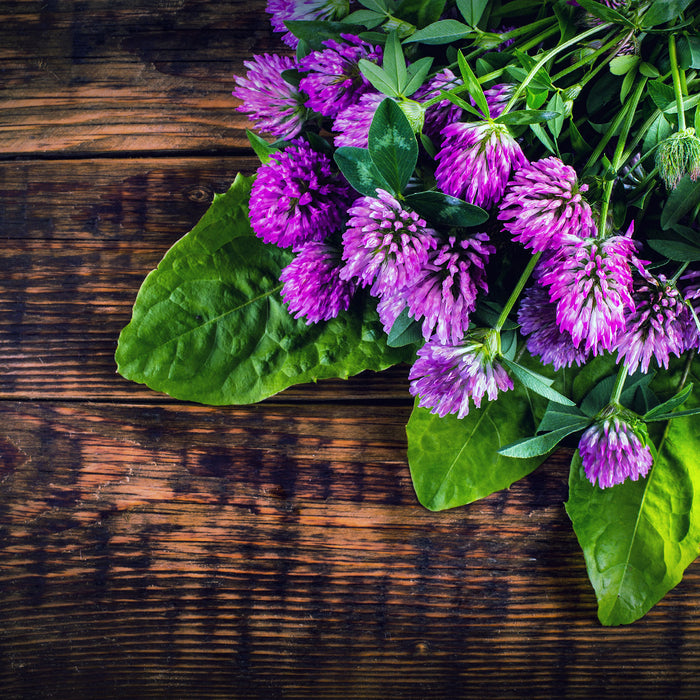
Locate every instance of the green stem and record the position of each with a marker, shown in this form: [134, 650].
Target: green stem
[681, 270]
[516, 292]
[546, 57]
[676, 81]
[539, 38]
[619, 385]
[587, 59]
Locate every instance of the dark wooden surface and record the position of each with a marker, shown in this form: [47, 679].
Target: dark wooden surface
[156, 549]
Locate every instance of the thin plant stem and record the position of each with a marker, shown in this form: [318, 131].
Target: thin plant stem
[619, 385]
[516, 292]
[676, 81]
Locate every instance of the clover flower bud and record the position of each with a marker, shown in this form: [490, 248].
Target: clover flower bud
[677, 156]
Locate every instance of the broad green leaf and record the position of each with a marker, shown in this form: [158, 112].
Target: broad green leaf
[420, 12]
[376, 5]
[444, 210]
[604, 12]
[689, 51]
[472, 10]
[542, 135]
[540, 445]
[379, 78]
[639, 536]
[675, 250]
[455, 461]
[659, 131]
[262, 148]
[359, 170]
[405, 331]
[443, 32]
[662, 11]
[209, 324]
[683, 199]
[536, 382]
[314, 32]
[392, 145]
[661, 94]
[649, 70]
[620, 65]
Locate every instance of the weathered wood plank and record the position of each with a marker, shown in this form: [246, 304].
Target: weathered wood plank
[97, 77]
[278, 551]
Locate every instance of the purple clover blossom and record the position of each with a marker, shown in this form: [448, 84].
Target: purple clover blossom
[591, 282]
[334, 81]
[476, 160]
[543, 205]
[497, 97]
[439, 115]
[274, 105]
[297, 197]
[691, 295]
[351, 126]
[447, 378]
[444, 292]
[537, 317]
[656, 327]
[312, 284]
[283, 10]
[384, 244]
[612, 450]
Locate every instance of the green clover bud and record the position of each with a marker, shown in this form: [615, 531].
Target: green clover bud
[677, 156]
[415, 113]
[403, 29]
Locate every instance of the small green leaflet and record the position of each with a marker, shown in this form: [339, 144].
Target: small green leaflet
[443, 32]
[605, 13]
[662, 11]
[540, 445]
[359, 170]
[455, 461]
[683, 199]
[420, 12]
[536, 382]
[262, 148]
[472, 10]
[444, 210]
[405, 331]
[473, 85]
[392, 145]
[209, 324]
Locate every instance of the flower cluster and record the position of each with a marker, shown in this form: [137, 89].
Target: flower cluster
[480, 145]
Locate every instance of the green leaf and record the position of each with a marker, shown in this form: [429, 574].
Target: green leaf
[689, 51]
[472, 10]
[541, 444]
[443, 32]
[541, 134]
[556, 106]
[417, 73]
[648, 70]
[209, 324]
[620, 65]
[379, 78]
[369, 18]
[527, 116]
[536, 382]
[473, 85]
[605, 13]
[639, 536]
[667, 406]
[394, 63]
[662, 11]
[683, 199]
[420, 12]
[455, 461]
[675, 250]
[661, 94]
[659, 131]
[392, 145]
[261, 147]
[444, 210]
[559, 416]
[314, 32]
[376, 5]
[359, 170]
[405, 331]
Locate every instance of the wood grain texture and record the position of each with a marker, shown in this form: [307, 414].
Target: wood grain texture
[155, 549]
[278, 551]
[102, 77]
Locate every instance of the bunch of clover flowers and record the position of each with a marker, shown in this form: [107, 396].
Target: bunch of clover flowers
[591, 294]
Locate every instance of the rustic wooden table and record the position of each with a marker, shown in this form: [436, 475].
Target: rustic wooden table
[154, 548]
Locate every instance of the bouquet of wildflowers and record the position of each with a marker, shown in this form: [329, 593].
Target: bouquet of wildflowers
[501, 193]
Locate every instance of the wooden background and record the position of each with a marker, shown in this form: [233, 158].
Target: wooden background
[156, 549]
